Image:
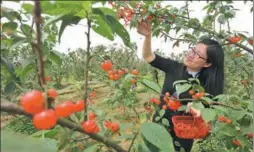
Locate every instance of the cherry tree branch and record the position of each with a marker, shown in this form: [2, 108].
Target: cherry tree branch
[87, 65]
[37, 44]
[213, 103]
[9, 107]
[164, 33]
[219, 35]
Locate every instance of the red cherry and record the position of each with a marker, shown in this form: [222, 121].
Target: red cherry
[45, 119]
[107, 124]
[91, 116]
[134, 72]
[79, 106]
[133, 81]
[116, 76]
[33, 102]
[52, 93]
[64, 109]
[90, 126]
[106, 65]
[114, 126]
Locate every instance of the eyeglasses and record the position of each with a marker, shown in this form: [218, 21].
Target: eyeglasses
[196, 54]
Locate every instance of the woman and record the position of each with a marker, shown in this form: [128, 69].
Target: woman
[205, 61]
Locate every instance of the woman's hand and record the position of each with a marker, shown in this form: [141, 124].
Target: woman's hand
[144, 28]
[193, 111]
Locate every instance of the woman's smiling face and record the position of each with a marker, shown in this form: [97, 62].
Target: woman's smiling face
[196, 58]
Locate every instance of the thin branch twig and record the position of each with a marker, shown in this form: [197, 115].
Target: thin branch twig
[132, 142]
[174, 38]
[86, 71]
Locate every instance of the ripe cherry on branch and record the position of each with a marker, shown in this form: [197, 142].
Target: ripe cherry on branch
[250, 41]
[197, 95]
[235, 39]
[134, 72]
[236, 142]
[156, 101]
[52, 93]
[33, 102]
[45, 119]
[79, 106]
[113, 126]
[91, 116]
[133, 81]
[90, 127]
[174, 104]
[64, 109]
[106, 65]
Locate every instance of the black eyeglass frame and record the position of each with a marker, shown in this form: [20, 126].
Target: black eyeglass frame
[196, 53]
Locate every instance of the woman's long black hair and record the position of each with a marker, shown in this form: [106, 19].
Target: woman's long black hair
[214, 74]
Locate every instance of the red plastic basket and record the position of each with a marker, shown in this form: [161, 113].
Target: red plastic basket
[190, 127]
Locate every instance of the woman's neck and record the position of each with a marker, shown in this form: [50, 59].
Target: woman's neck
[193, 70]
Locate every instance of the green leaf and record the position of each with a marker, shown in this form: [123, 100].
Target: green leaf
[8, 65]
[180, 88]
[157, 118]
[221, 98]
[46, 133]
[85, 11]
[143, 117]
[10, 14]
[197, 105]
[10, 68]
[13, 142]
[152, 85]
[198, 88]
[87, 5]
[26, 70]
[54, 19]
[165, 122]
[208, 100]
[142, 147]
[151, 9]
[222, 19]
[179, 81]
[157, 135]
[237, 114]
[66, 21]
[18, 43]
[9, 27]
[119, 29]
[250, 106]
[177, 144]
[9, 88]
[182, 108]
[55, 57]
[194, 22]
[243, 140]
[104, 10]
[208, 114]
[57, 7]
[27, 7]
[228, 130]
[162, 112]
[100, 26]
[221, 109]
[26, 29]
[92, 148]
